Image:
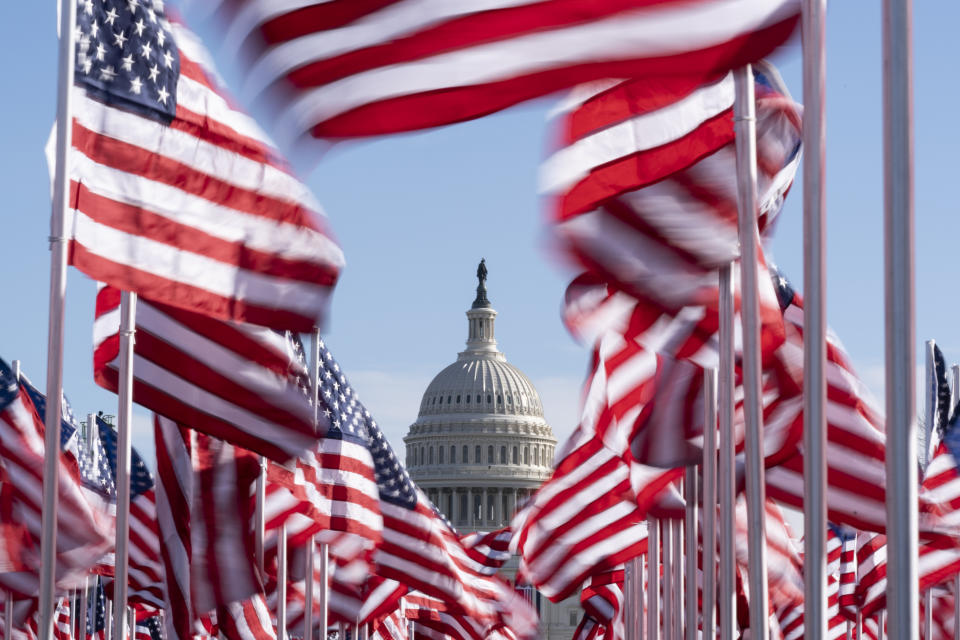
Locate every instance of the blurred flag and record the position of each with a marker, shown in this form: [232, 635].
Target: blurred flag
[96, 616]
[602, 600]
[339, 69]
[61, 620]
[83, 533]
[149, 629]
[644, 184]
[238, 382]
[177, 195]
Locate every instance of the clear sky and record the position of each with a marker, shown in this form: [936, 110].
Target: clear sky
[415, 213]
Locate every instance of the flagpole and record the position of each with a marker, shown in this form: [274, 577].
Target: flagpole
[128, 326]
[814, 319]
[666, 550]
[709, 500]
[58, 292]
[323, 549]
[677, 529]
[930, 408]
[259, 516]
[84, 595]
[900, 328]
[690, 559]
[653, 579]
[282, 582]
[108, 622]
[744, 109]
[8, 601]
[308, 592]
[324, 621]
[726, 469]
[639, 572]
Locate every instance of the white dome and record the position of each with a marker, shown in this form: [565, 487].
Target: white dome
[481, 384]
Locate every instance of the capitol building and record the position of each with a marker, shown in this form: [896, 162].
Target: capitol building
[480, 445]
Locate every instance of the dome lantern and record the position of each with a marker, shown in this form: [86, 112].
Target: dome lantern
[480, 319]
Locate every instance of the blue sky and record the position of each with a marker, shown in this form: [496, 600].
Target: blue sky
[415, 213]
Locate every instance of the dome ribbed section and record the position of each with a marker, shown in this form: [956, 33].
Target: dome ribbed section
[481, 385]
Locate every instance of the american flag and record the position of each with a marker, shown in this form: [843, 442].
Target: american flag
[177, 195]
[341, 70]
[96, 614]
[392, 626]
[338, 484]
[149, 629]
[61, 620]
[174, 502]
[602, 599]
[644, 186]
[237, 382]
[69, 428]
[99, 464]
[82, 530]
[247, 619]
[490, 551]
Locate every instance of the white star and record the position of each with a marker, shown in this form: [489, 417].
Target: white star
[94, 28]
[126, 63]
[132, 5]
[139, 25]
[158, 5]
[167, 59]
[119, 39]
[87, 6]
[136, 84]
[77, 33]
[86, 64]
[107, 74]
[101, 52]
[162, 95]
[146, 50]
[161, 36]
[111, 16]
[154, 72]
[151, 15]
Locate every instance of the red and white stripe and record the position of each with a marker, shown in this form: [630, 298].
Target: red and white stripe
[145, 571]
[602, 599]
[247, 619]
[84, 532]
[222, 569]
[236, 382]
[61, 620]
[583, 520]
[644, 182]
[201, 213]
[490, 551]
[356, 70]
[391, 627]
[174, 501]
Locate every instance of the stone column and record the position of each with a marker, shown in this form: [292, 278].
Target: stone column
[454, 505]
[483, 511]
[512, 500]
[498, 507]
[471, 512]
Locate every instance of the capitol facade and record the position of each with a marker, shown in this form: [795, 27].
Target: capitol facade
[481, 446]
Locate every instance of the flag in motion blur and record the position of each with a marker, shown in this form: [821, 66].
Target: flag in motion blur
[177, 195]
[343, 69]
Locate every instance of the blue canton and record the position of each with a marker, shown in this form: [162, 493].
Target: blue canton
[9, 389]
[350, 420]
[96, 610]
[154, 627]
[126, 55]
[68, 421]
[140, 478]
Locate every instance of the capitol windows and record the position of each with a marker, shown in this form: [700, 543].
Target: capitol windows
[453, 454]
[464, 456]
[431, 455]
[423, 459]
[468, 399]
[476, 454]
[490, 507]
[440, 455]
[489, 398]
[448, 399]
[458, 399]
[526, 454]
[516, 456]
[503, 455]
[499, 399]
[413, 456]
[536, 456]
[490, 454]
[464, 508]
[478, 398]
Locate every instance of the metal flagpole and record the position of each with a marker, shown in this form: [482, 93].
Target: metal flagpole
[709, 536]
[108, 623]
[814, 319]
[282, 582]
[677, 566]
[666, 545]
[323, 549]
[8, 601]
[930, 407]
[726, 468]
[58, 291]
[653, 579]
[690, 559]
[308, 592]
[881, 632]
[629, 601]
[900, 329]
[744, 109]
[84, 595]
[128, 311]
[259, 516]
[639, 573]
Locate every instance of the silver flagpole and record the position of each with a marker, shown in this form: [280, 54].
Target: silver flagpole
[84, 595]
[726, 470]
[690, 559]
[709, 504]
[629, 595]
[282, 582]
[308, 592]
[128, 311]
[859, 625]
[881, 632]
[259, 516]
[814, 319]
[900, 329]
[666, 582]
[678, 575]
[744, 109]
[323, 549]
[58, 292]
[639, 573]
[108, 623]
[653, 579]
[930, 407]
[8, 602]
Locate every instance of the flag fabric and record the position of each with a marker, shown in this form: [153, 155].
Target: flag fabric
[61, 620]
[602, 599]
[336, 486]
[174, 501]
[96, 614]
[247, 619]
[82, 530]
[392, 626]
[644, 184]
[237, 382]
[149, 629]
[175, 193]
[490, 551]
[342, 70]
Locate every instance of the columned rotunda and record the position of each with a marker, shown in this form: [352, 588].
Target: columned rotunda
[480, 445]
